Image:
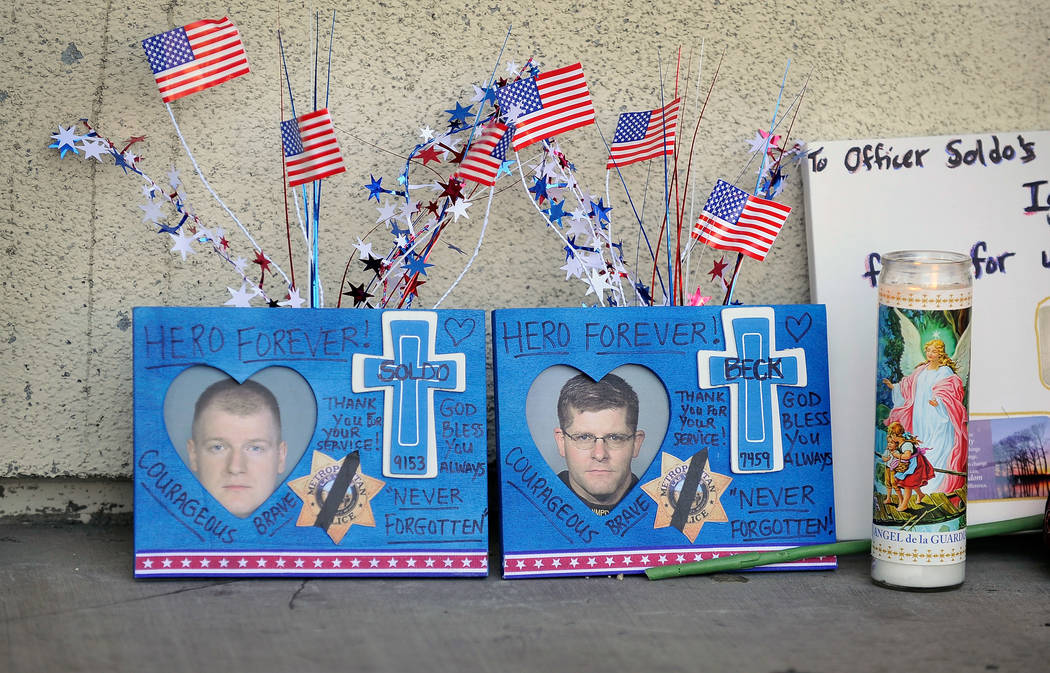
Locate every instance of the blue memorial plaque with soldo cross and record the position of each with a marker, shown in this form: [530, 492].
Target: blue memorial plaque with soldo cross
[309, 443]
[631, 438]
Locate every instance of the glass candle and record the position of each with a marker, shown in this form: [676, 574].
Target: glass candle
[918, 533]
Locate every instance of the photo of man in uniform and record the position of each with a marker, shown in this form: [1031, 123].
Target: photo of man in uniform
[236, 448]
[598, 437]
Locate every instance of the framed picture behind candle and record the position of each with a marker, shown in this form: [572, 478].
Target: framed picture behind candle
[982, 195]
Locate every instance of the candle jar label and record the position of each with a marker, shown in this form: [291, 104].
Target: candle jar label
[921, 443]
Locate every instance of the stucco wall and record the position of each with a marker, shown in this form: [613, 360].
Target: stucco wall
[77, 255]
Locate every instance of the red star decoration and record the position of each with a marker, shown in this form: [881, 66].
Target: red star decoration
[261, 260]
[718, 268]
[433, 207]
[412, 288]
[457, 157]
[224, 243]
[453, 189]
[132, 141]
[428, 154]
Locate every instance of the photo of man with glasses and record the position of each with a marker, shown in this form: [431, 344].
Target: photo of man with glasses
[598, 437]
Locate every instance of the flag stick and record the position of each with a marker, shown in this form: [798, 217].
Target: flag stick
[772, 124]
[667, 190]
[696, 129]
[284, 166]
[306, 202]
[692, 194]
[633, 209]
[315, 290]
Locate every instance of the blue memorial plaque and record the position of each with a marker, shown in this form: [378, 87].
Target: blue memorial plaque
[636, 437]
[309, 443]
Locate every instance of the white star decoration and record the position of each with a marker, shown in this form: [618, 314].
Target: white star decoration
[386, 211]
[241, 298]
[182, 244]
[293, 300]
[573, 268]
[460, 208]
[94, 148]
[66, 136]
[151, 212]
[364, 249]
[598, 282]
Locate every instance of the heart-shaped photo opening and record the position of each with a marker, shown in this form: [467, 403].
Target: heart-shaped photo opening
[600, 436]
[240, 440]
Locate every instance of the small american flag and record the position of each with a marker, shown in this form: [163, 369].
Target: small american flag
[486, 155]
[551, 102]
[734, 220]
[197, 56]
[644, 135]
[311, 149]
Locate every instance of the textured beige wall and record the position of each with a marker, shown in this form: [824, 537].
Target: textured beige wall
[77, 257]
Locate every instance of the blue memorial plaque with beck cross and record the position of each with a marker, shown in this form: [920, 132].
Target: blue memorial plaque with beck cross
[637, 437]
[310, 443]
[751, 368]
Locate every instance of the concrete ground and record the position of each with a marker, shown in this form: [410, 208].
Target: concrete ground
[68, 603]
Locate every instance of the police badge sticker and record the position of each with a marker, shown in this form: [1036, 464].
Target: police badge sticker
[687, 494]
[336, 495]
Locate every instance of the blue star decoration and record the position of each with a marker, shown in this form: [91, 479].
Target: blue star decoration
[772, 185]
[643, 292]
[459, 114]
[121, 162]
[600, 211]
[504, 168]
[169, 229]
[540, 189]
[415, 265]
[570, 249]
[396, 231]
[65, 141]
[375, 188]
[556, 212]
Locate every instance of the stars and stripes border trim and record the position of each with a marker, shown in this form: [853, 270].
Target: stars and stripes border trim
[416, 563]
[635, 561]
